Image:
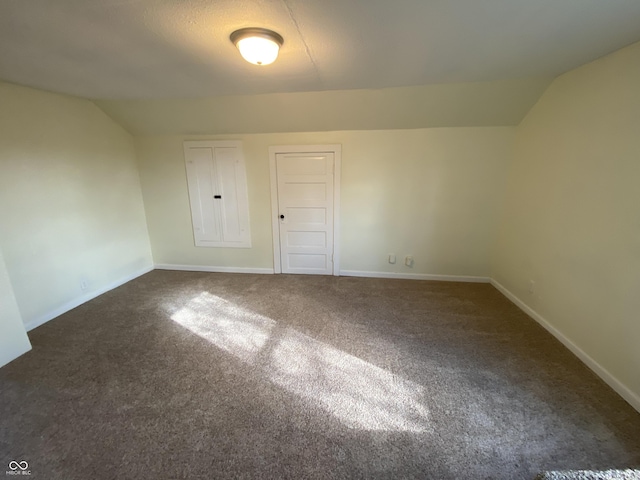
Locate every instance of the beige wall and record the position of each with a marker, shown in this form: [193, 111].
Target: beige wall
[572, 213]
[431, 193]
[13, 337]
[70, 200]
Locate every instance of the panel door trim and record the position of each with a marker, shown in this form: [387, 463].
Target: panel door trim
[336, 149]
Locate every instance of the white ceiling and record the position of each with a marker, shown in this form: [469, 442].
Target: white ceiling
[137, 49]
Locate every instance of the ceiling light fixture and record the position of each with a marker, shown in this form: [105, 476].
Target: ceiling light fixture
[257, 45]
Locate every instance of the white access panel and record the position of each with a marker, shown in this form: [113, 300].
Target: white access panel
[305, 209]
[218, 196]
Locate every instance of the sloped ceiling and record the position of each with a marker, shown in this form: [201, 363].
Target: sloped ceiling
[157, 50]
[498, 103]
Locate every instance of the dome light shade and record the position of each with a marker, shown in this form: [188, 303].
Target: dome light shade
[257, 45]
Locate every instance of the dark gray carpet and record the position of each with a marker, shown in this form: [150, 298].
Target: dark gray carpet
[199, 375]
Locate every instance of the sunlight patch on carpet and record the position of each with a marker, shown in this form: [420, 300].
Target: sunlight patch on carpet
[359, 394]
[240, 332]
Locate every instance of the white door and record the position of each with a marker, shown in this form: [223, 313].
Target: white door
[305, 210]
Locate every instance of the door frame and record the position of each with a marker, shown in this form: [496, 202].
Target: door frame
[336, 149]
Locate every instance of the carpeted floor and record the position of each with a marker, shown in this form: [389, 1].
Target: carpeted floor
[591, 475]
[200, 375]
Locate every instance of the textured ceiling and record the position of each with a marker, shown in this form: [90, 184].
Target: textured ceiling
[137, 49]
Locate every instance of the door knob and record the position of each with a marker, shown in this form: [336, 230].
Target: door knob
[281, 216]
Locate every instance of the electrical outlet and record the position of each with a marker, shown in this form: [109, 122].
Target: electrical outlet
[408, 261]
[84, 284]
[392, 258]
[532, 286]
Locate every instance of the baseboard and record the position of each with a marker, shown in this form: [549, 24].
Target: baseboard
[415, 276]
[206, 268]
[85, 298]
[604, 374]
[345, 273]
